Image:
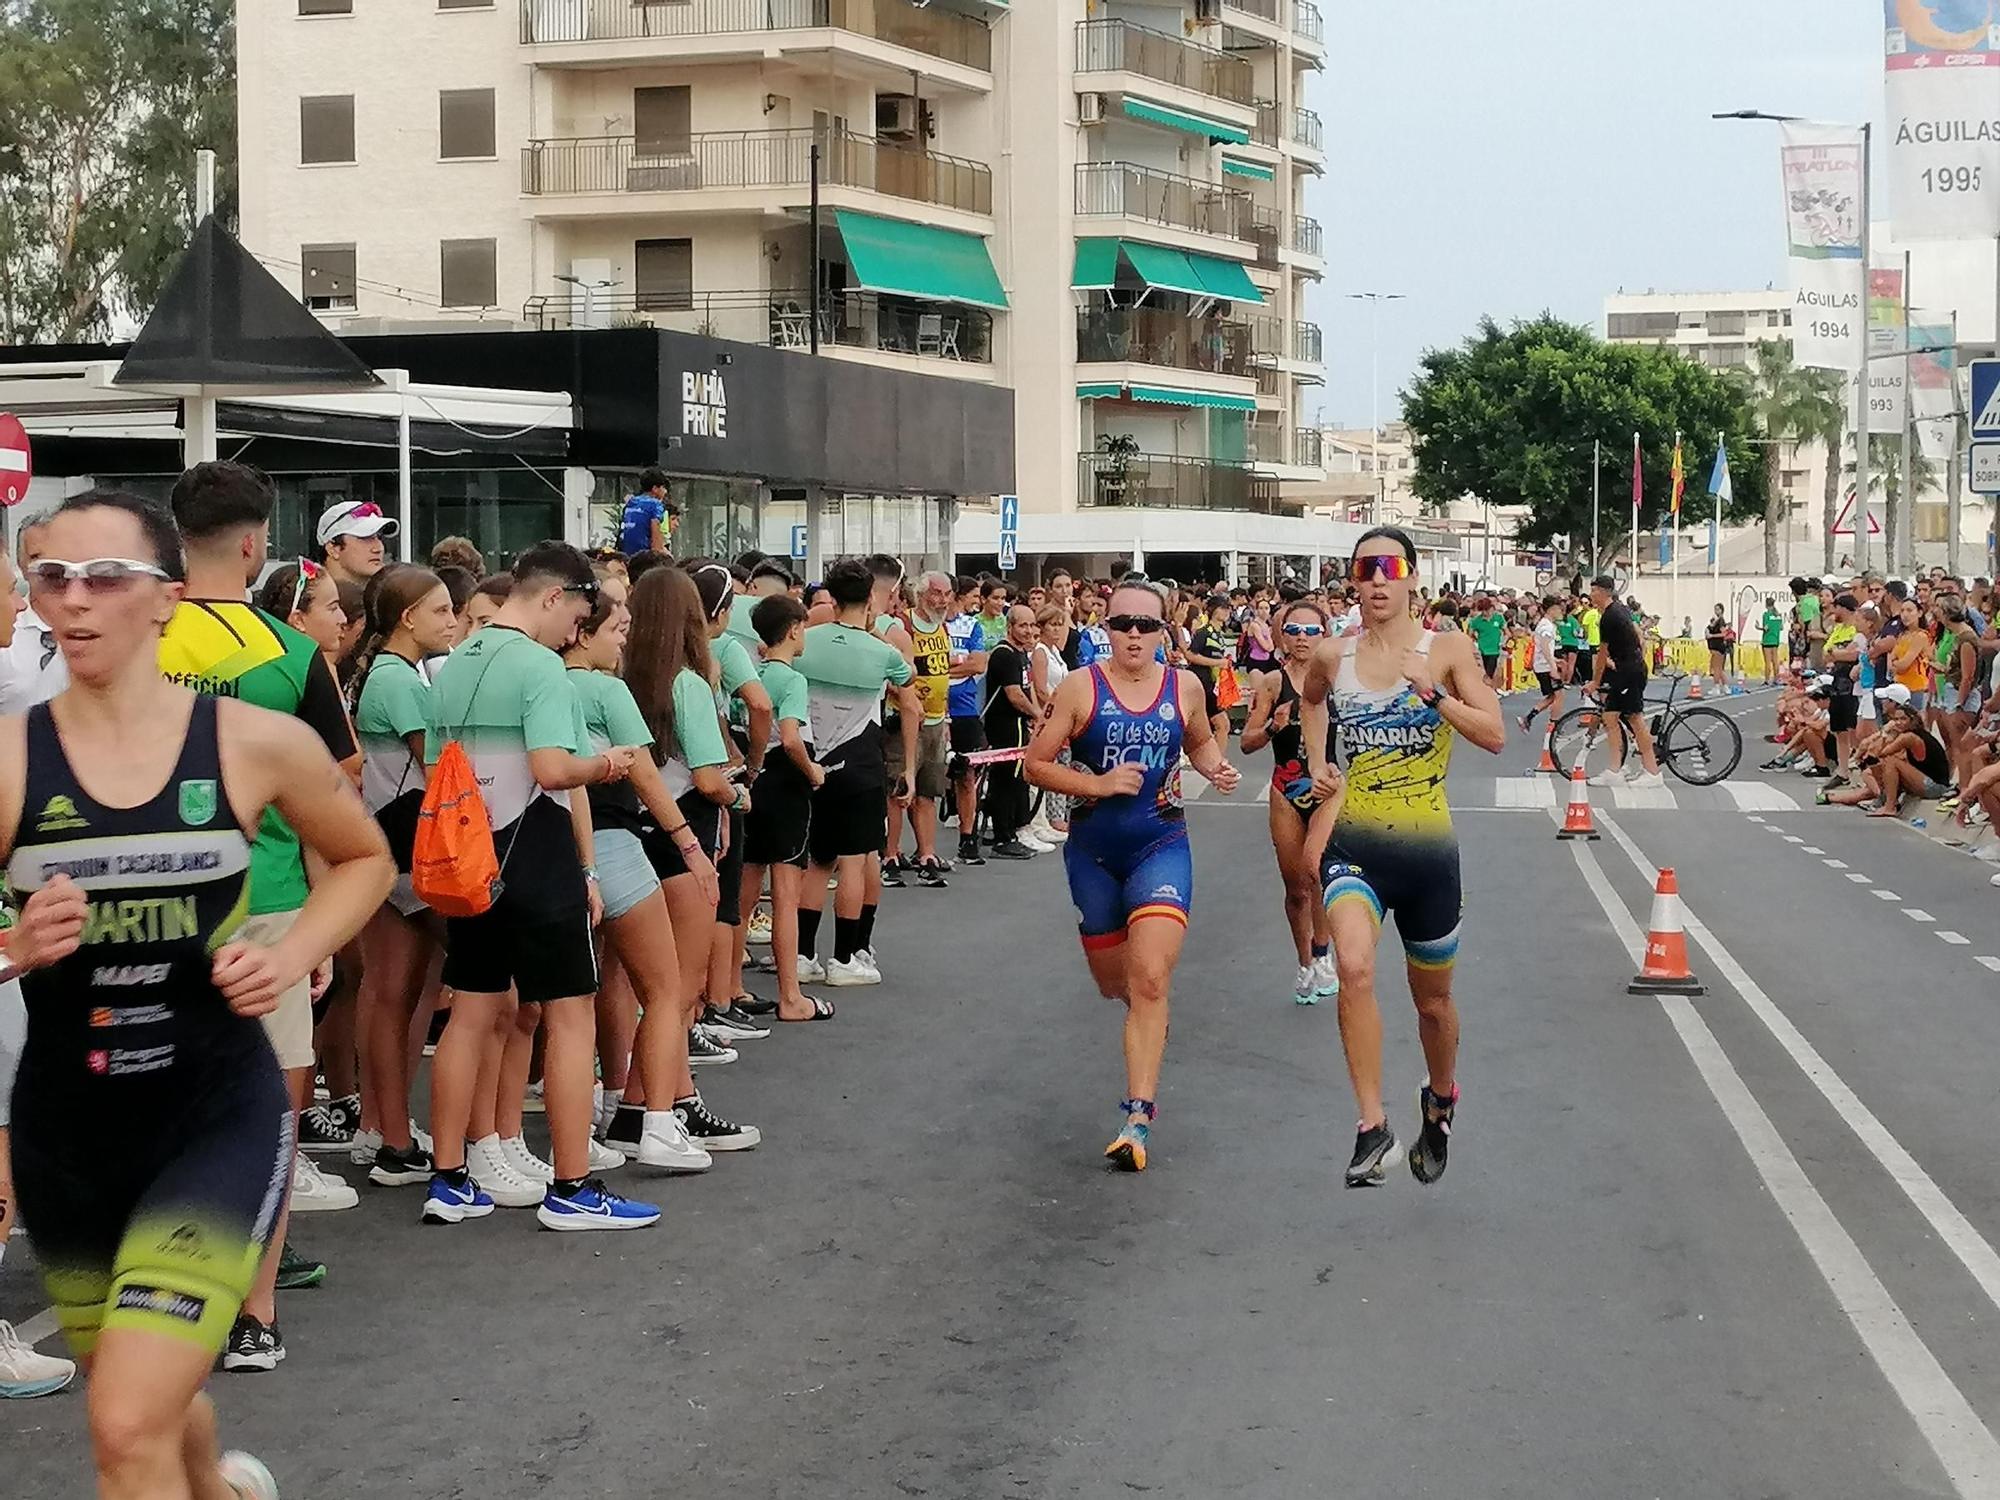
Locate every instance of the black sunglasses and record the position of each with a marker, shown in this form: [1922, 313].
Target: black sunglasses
[1143, 624]
[588, 590]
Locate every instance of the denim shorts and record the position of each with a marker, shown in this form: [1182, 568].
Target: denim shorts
[624, 875]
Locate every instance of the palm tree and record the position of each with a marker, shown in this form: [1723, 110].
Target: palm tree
[1885, 478]
[1794, 406]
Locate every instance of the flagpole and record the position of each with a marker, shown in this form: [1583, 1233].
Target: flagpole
[1715, 544]
[1674, 580]
[1596, 474]
[1638, 485]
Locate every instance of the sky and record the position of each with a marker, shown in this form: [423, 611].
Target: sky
[1507, 157]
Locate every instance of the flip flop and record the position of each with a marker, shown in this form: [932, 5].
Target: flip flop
[822, 1011]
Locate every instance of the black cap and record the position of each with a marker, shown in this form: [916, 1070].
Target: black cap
[1606, 582]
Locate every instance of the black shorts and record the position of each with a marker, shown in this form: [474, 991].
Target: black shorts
[850, 813]
[1625, 690]
[1586, 662]
[544, 953]
[1490, 663]
[967, 735]
[1549, 683]
[1843, 712]
[780, 821]
[704, 820]
[729, 871]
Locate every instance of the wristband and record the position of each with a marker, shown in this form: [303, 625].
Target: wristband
[590, 872]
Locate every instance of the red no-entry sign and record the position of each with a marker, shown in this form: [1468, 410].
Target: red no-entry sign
[17, 463]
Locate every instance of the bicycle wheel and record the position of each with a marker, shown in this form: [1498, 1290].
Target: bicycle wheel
[1702, 745]
[1580, 738]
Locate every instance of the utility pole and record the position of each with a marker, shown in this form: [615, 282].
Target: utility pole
[1375, 301]
[813, 270]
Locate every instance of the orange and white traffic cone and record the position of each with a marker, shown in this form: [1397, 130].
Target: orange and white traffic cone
[1665, 970]
[1548, 751]
[1694, 688]
[1577, 821]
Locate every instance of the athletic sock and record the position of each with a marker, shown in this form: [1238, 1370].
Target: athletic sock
[629, 1123]
[846, 937]
[456, 1176]
[567, 1187]
[1320, 950]
[866, 935]
[808, 932]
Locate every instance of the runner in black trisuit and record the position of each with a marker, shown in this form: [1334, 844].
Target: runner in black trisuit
[152, 1132]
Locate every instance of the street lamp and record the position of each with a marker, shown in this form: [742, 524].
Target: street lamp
[1861, 321]
[1375, 301]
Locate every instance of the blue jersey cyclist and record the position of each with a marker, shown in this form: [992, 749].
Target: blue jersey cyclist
[1399, 695]
[1126, 721]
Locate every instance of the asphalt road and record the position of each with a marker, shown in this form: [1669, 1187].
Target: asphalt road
[1735, 1247]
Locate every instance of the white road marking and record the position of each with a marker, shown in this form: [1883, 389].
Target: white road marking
[1961, 1441]
[1759, 796]
[1793, 838]
[1525, 792]
[1858, 878]
[1812, 849]
[39, 1327]
[1990, 961]
[1885, 895]
[1834, 864]
[1918, 914]
[1753, 818]
[1958, 940]
[1643, 798]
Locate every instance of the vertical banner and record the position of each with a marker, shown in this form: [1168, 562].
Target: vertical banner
[1943, 93]
[1822, 177]
[1888, 396]
[1933, 387]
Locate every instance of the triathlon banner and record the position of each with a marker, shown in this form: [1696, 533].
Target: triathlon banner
[1821, 168]
[1934, 387]
[1943, 94]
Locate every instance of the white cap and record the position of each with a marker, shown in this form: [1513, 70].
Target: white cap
[353, 518]
[1895, 692]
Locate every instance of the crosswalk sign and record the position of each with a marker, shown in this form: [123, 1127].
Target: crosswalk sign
[1986, 398]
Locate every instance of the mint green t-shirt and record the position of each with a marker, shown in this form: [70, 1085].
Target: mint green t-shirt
[610, 719]
[502, 695]
[846, 669]
[698, 738]
[395, 703]
[740, 610]
[790, 698]
[737, 665]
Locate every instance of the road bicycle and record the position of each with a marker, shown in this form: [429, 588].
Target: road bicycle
[1699, 744]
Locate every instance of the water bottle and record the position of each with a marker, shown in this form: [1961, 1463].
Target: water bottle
[1918, 823]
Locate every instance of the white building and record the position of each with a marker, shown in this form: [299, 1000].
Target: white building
[1098, 203]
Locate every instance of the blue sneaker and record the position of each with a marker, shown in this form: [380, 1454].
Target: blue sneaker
[447, 1203]
[594, 1206]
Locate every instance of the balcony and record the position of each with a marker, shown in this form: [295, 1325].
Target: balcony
[1306, 237]
[754, 159]
[1267, 229]
[1120, 47]
[1263, 10]
[782, 319]
[1304, 129]
[1306, 344]
[1267, 339]
[1306, 447]
[1158, 481]
[1160, 336]
[1110, 188]
[929, 30]
[1271, 444]
[1265, 131]
[1307, 21]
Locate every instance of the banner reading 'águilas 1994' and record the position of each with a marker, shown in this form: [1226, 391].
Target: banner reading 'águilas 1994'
[1943, 95]
[1822, 179]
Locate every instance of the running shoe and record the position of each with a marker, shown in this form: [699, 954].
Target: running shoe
[1012, 849]
[592, 1205]
[314, 1191]
[1326, 977]
[296, 1272]
[892, 873]
[704, 1051]
[24, 1373]
[1818, 773]
[246, 1474]
[930, 874]
[395, 1168]
[711, 1132]
[867, 956]
[1647, 780]
[361, 1150]
[1127, 1151]
[487, 1161]
[1305, 988]
[758, 931]
[449, 1202]
[603, 1158]
[330, 1126]
[810, 970]
[968, 852]
[252, 1346]
[1780, 763]
[1372, 1149]
[854, 971]
[666, 1144]
[1427, 1157]
[1032, 841]
[732, 1026]
[1613, 777]
[524, 1161]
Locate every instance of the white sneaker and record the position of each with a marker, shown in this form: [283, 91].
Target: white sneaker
[854, 971]
[1994, 881]
[604, 1159]
[487, 1162]
[1607, 778]
[314, 1191]
[1046, 834]
[525, 1162]
[867, 956]
[603, 1106]
[1326, 977]
[1302, 987]
[420, 1138]
[1027, 840]
[246, 1474]
[361, 1150]
[1648, 779]
[759, 933]
[24, 1373]
[665, 1143]
[811, 970]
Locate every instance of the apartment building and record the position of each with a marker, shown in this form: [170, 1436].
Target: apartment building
[1095, 203]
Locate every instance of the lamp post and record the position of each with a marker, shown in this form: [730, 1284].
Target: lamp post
[1375, 301]
[1861, 331]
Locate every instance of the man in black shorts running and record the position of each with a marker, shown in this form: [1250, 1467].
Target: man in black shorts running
[1618, 680]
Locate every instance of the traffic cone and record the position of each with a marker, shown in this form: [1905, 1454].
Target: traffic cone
[1736, 688]
[1548, 748]
[1694, 689]
[1577, 822]
[1665, 970]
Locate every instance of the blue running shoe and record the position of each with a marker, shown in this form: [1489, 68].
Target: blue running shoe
[594, 1206]
[448, 1203]
[1127, 1151]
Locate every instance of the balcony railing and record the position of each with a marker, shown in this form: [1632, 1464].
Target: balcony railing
[1121, 187]
[1305, 128]
[1267, 229]
[1265, 10]
[1306, 447]
[1154, 479]
[1110, 46]
[1265, 131]
[1267, 338]
[1270, 380]
[783, 319]
[754, 159]
[1160, 336]
[931, 30]
[1306, 343]
[1306, 236]
[1307, 21]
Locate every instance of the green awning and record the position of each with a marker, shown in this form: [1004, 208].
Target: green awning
[1255, 171]
[1225, 278]
[1175, 119]
[919, 260]
[1161, 395]
[1096, 265]
[1099, 391]
[1164, 267]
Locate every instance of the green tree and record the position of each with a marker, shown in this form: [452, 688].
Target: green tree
[103, 104]
[1793, 405]
[1511, 415]
[1885, 478]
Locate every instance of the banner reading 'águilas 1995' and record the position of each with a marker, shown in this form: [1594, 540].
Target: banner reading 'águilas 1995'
[1822, 178]
[1943, 94]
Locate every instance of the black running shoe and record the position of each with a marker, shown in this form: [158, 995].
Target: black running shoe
[1372, 1150]
[393, 1168]
[968, 852]
[296, 1272]
[930, 873]
[1012, 849]
[892, 873]
[1427, 1157]
[252, 1346]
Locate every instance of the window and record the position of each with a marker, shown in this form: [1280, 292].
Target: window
[467, 276]
[326, 273]
[465, 123]
[326, 7]
[663, 271]
[465, 4]
[662, 120]
[326, 128]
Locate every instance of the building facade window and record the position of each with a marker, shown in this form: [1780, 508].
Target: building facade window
[326, 275]
[465, 123]
[662, 120]
[467, 273]
[663, 274]
[326, 129]
[326, 7]
[465, 4]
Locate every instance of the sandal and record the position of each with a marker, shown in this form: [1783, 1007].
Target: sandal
[822, 1011]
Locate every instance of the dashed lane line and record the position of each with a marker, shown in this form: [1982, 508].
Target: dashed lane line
[1834, 864]
[1918, 914]
[1883, 895]
[1858, 878]
[1990, 961]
